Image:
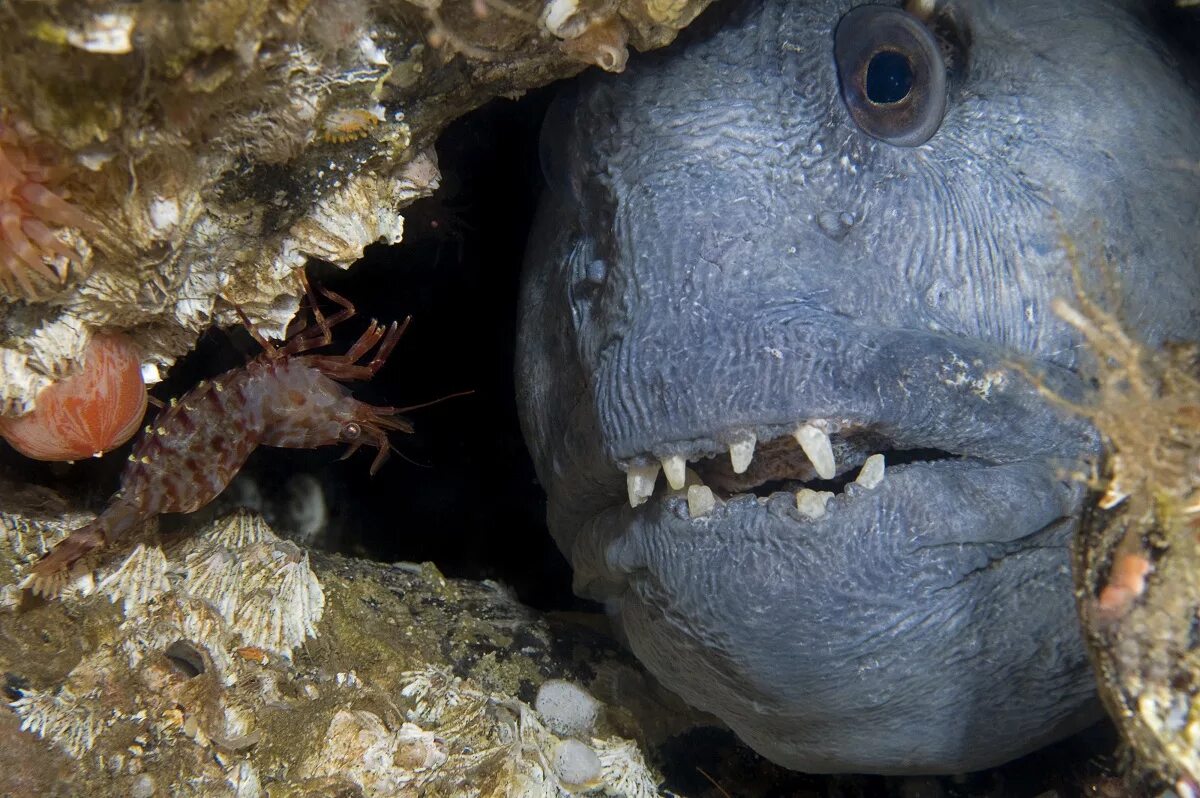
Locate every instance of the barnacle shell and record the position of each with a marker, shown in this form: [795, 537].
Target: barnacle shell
[240, 529]
[89, 413]
[216, 145]
[59, 717]
[281, 599]
[213, 575]
[140, 579]
[624, 767]
[360, 748]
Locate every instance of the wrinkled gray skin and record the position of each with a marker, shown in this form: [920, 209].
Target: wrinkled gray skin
[721, 250]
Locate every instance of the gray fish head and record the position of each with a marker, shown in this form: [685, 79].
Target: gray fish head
[756, 267]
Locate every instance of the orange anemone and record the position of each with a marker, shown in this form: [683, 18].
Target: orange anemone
[34, 214]
[89, 413]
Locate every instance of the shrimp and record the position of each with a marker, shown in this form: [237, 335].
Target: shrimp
[284, 397]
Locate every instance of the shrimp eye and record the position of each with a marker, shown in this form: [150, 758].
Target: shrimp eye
[351, 431]
[892, 74]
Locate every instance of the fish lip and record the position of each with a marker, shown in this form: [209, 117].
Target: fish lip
[893, 391]
[596, 555]
[715, 610]
[915, 389]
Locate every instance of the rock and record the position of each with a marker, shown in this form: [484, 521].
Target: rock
[231, 659]
[213, 147]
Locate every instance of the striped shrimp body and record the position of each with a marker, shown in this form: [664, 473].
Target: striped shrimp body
[195, 448]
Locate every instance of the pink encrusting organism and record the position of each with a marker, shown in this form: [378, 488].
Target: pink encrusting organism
[190, 453]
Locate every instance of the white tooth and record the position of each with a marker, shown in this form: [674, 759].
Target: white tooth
[674, 467]
[871, 473]
[700, 500]
[817, 447]
[741, 452]
[639, 480]
[811, 503]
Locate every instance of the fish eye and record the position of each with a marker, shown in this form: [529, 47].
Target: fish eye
[892, 74]
[351, 431]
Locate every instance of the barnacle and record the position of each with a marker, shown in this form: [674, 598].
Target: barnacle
[625, 771]
[86, 414]
[602, 44]
[60, 717]
[213, 575]
[239, 529]
[508, 734]
[359, 747]
[140, 579]
[282, 601]
[39, 230]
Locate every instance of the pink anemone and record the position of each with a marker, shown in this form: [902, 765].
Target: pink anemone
[89, 413]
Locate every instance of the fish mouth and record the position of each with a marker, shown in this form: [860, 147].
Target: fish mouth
[884, 399]
[811, 554]
[812, 462]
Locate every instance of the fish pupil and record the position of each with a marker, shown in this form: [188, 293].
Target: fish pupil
[889, 78]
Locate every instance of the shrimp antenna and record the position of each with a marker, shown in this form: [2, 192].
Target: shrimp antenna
[467, 392]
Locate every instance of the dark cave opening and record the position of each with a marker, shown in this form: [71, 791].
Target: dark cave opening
[459, 491]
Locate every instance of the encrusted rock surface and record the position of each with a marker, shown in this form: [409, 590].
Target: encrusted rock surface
[1137, 557]
[216, 145]
[229, 662]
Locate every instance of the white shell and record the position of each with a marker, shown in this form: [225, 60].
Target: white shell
[61, 718]
[139, 580]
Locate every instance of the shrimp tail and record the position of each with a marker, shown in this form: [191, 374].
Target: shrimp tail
[50, 575]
